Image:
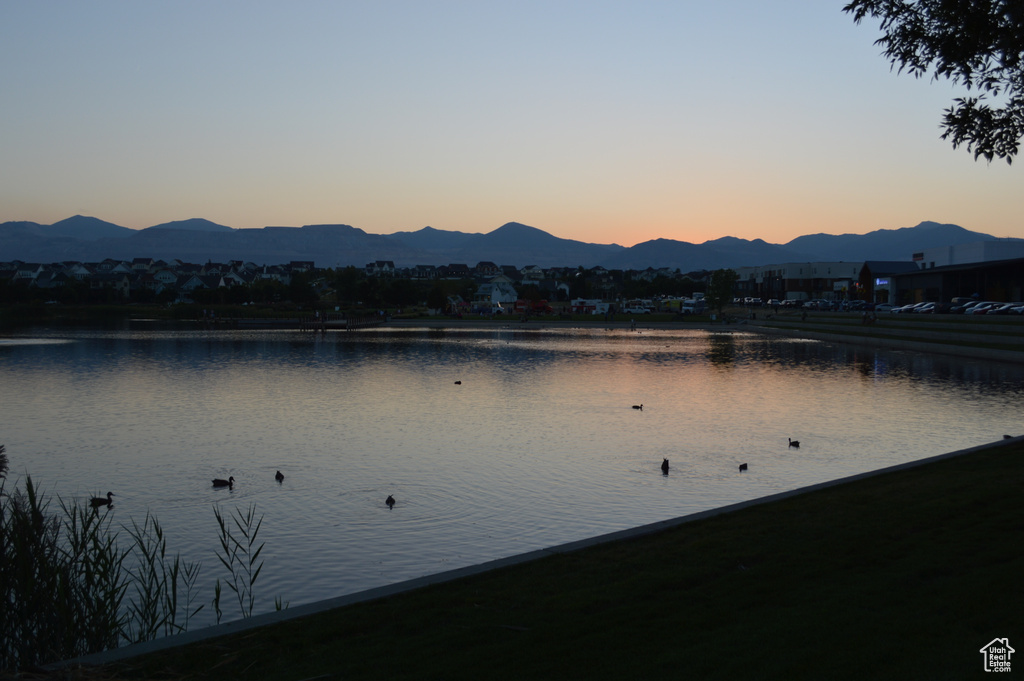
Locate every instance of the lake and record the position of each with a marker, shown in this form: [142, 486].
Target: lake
[539, 444]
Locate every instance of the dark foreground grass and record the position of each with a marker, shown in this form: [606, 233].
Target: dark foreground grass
[901, 576]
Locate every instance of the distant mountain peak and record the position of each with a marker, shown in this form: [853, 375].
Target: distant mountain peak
[83, 222]
[193, 225]
[86, 228]
[518, 227]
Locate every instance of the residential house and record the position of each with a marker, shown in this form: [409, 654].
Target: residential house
[512, 272]
[27, 272]
[455, 271]
[142, 264]
[495, 293]
[554, 289]
[423, 272]
[165, 277]
[487, 269]
[380, 268]
[532, 274]
[119, 282]
[111, 266]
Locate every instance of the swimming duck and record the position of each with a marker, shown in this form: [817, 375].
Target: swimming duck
[102, 501]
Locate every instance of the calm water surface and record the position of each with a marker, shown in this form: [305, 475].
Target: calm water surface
[538, 446]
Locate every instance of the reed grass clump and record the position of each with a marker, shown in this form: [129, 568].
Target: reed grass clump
[68, 588]
[61, 580]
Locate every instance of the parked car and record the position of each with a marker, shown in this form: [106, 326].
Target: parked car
[883, 307]
[926, 308]
[636, 310]
[981, 308]
[1005, 308]
[964, 307]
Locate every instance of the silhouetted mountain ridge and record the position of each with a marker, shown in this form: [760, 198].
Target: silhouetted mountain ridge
[853, 247]
[90, 239]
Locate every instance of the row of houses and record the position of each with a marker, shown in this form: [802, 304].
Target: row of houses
[485, 269]
[158, 276]
[495, 284]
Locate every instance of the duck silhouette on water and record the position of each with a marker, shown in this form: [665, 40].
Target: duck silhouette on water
[390, 501]
[664, 467]
[107, 501]
[279, 476]
[229, 483]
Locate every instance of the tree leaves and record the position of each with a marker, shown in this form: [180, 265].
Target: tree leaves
[978, 44]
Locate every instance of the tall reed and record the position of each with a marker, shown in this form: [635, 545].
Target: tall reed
[153, 607]
[240, 555]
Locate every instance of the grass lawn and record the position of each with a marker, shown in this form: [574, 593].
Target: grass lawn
[900, 576]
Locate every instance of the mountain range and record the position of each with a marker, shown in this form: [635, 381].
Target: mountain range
[88, 239]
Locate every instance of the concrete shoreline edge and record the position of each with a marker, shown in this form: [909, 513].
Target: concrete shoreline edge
[965, 349]
[910, 345]
[305, 610]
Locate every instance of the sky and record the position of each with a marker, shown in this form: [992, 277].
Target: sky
[605, 122]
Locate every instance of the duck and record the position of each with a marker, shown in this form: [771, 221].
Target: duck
[794, 443]
[279, 476]
[390, 501]
[638, 406]
[743, 467]
[108, 500]
[230, 482]
[664, 466]
[458, 382]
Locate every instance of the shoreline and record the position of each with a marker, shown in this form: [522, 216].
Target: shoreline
[845, 331]
[383, 592]
[543, 324]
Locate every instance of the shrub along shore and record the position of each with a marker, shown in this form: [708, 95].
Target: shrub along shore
[904, 574]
